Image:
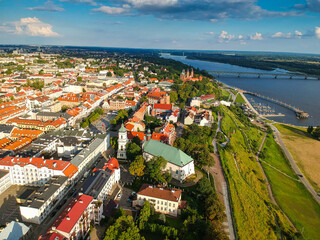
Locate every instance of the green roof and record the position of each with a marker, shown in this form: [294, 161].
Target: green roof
[122, 129]
[171, 154]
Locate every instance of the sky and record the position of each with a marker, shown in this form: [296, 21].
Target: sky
[240, 25]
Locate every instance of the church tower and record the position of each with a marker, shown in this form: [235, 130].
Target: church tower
[122, 142]
[192, 73]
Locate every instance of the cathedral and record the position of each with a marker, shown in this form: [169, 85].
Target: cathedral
[187, 76]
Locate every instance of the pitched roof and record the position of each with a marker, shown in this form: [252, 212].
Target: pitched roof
[162, 106]
[14, 231]
[171, 154]
[170, 194]
[71, 214]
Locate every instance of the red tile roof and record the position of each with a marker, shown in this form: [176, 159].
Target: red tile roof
[170, 194]
[162, 106]
[72, 213]
[65, 166]
[140, 135]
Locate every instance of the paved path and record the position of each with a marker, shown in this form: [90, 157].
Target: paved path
[294, 165]
[221, 185]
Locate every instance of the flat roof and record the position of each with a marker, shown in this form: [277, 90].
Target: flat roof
[45, 192]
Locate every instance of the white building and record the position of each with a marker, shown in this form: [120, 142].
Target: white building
[35, 171]
[195, 102]
[46, 198]
[164, 200]
[179, 164]
[75, 220]
[101, 182]
[86, 157]
[122, 142]
[5, 182]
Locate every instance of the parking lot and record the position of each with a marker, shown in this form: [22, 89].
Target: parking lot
[101, 125]
[9, 210]
[123, 201]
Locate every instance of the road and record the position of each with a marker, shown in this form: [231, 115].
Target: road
[221, 184]
[294, 165]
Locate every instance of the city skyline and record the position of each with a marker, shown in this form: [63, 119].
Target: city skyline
[239, 25]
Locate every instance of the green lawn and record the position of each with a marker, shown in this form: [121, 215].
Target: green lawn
[273, 154]
[292, 197]
[296, 202]
[240, 99]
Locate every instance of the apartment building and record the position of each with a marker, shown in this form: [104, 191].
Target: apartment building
[46, 198]
[35, 171]
[164, 200]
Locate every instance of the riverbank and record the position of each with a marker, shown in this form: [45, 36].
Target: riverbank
[302, 94]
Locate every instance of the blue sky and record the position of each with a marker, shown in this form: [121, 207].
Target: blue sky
[244, 25]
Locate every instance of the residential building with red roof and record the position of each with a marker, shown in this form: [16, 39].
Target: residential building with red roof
[37, 124]
[74, 222]
[164, 200]
[158, 97]
[161, 109]
[35, 171]
[11, 112]
[18, 133]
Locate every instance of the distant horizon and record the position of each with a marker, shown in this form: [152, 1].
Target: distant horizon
[223, 25]
[161, 49]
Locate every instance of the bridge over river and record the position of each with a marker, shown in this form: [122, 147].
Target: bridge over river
[299, 113]
[259, 75]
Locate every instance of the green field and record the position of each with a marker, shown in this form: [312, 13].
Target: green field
[240, 99]
[291, 195]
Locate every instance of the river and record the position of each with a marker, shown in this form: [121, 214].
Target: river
[301, 93]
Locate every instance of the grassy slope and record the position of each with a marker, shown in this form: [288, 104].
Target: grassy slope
[239, 99]
[304, 150]
[252, 207]
[291, 195]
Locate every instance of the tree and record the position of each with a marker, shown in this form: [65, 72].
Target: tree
[41, 72]
[137, 166]
[155, 167]
[310, 129]
[79, 79]
[173, 96]
[109, 74]
[114, 142]
[133, 150]
[136, 140]
[144, 99]
[144, 215]
[123, 229]
[316, 133]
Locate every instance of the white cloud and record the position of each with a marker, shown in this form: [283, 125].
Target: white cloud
[257, 36]
[31, 27]
[111, 10]
[210, 33]
[297, 33]
[317, 31]
[90, 2]
[48, 6]
[225, 37]
[240, 36]
[158, 3]
[282, 35]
